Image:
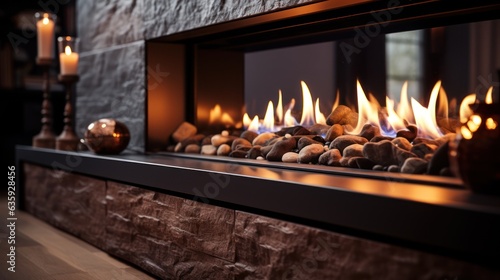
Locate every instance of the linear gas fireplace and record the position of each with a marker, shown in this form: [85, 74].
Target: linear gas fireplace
[366, 88]
[286, 139]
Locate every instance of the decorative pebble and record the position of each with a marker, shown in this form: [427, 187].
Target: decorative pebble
[331, 158]
[223, 150]
[342, 115]
[369, 131]
[344, 141]
[262, 138]
[249, 135]
[184, 131]
[319, 129]
[240, 142]
[280, 148]
[254, 152]
[310, 153]
[354, 150]
[410, 133]
[393, 169]
[225, 133]
[306, 141]
[335, 131]
[439, 160]
[192, 149]
[402, 143]
[238, 154]
[290, 157]
[208, 150]
[385, 153]
[422, 149]
[378, 167]
[414, 166]
[220, 139]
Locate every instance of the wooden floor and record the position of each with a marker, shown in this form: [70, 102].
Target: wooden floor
[44, 252]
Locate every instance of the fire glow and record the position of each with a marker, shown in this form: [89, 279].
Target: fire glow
[390, 119]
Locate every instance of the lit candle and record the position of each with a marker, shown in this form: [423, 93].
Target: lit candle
[45, 35]
[69, 62]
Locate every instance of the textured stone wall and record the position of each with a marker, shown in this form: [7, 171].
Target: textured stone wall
[177, 238]
[112, 64]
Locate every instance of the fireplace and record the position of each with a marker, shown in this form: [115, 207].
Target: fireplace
[336, 49]
[207, 216]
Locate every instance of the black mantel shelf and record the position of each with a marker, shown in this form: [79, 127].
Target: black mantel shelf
[422, 215]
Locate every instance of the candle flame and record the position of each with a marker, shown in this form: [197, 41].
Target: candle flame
[67, 50]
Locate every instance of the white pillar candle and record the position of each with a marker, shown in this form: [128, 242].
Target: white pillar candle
[68, 61]
[45, 32]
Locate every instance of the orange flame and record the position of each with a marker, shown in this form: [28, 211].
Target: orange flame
[217, 116]
[426, 120]
[289, 119]
[404, 108]
[268, 123]
[307, 106]
[320, 118]
[279, 107]
[368, 112]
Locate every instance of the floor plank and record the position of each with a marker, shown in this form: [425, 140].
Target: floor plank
[45, 252]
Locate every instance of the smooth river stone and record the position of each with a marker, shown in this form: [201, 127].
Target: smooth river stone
[220, 139]
[240, 142]
[185, 130]
[311, 153]
[290, 157]
[410, 133]
[354, 150]
[208, 150]
[223, 150]
[439, 160]
[249, 135]
[306, 141]
[192, 149]
[369, 131]
[319, 129]
[263, 138]
[414, 166]
[403, 143]
[330, 158]
[423, 149]
[335, 131]
[344, 141]
[254, 152]
[385, 153]
[181, 146]
[280, 148]
[342, 115]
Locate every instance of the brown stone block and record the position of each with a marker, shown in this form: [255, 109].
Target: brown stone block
[69, 201]
[272, 249]
[198, 228]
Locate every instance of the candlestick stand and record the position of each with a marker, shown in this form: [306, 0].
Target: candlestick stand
[46, 137]
[68, 140]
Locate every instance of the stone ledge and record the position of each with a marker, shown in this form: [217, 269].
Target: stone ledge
[174, 238]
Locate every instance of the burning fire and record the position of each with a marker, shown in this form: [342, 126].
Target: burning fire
[390, 119]
[311, 114]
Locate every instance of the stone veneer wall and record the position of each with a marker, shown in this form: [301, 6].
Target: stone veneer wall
[177, 238]
[112, 60]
